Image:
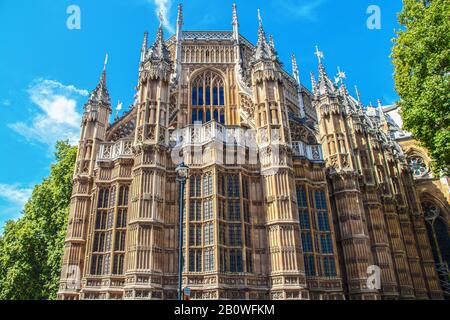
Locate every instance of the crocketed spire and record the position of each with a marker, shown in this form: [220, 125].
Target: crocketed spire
[158, 50]
[100, 94]
[325, 85]
[263, 49]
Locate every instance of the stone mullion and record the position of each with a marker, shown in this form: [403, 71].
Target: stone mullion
[90, 233]
[275, 182]
[242, 223]
[414, 259]
[114, 229]
[347, 132]
[378, 226]
[349, 206]
[427, 261]
[75, 246]
[381, 249]
[216, 221]
[399, 255]
[398, 248]
[377, 179]
[411, 247]
[312, 229]
[354, 246]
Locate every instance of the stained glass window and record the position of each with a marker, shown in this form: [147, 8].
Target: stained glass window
[307, 242]
[326, 244]
[329, 267]
[417, 166]
[208, 98]
[310, 268]
[194, 96]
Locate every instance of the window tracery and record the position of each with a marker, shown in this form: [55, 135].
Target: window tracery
[208, 98]
[418, 166]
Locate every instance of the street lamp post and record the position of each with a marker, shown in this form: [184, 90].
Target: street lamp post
[182, 175]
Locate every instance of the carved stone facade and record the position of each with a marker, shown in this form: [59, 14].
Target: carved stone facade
[292, 194]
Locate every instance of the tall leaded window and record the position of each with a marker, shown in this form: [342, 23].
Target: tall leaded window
[123, 195]
[326, 244]
[322, 220]
[192, 260]
[246, 212]
[245, 187]
[234, 210]
[316, 235]
[307, 242]
[195, 186]
[104, 221]
[303, 211]
[321, 202]
[236, 260]
[120, 241]
[310, 268]
[249, 261]
[439, 236]
[233, 186]
[121, 218]
[208, 209]
[221, 185]
[248, 236]
[329, 267]
[195, 260]
[235, 235]
[118, 263]
[222, 234]
[208, 233]
[209, 260]
[195, 234]
[322, 211]
[208, 98]
[207, 185]
[103, 196]
[120, 233]
[97, 264]
[195, 212]
[100, 220]
[301, 198]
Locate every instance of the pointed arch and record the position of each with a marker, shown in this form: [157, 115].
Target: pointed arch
[207, 96]
[438, 231]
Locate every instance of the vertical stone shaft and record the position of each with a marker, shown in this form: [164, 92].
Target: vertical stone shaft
[375, 217]
[146, 245]
[93, 131]
[346, 195]
[284, 246]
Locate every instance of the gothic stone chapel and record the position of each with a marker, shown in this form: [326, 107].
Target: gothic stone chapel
[291, 193]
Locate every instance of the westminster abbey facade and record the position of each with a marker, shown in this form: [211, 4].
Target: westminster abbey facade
[292, 193]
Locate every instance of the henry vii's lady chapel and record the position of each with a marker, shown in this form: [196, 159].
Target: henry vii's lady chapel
[291, 194]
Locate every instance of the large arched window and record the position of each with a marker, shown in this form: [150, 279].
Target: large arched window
[208, 98]
[440, 242]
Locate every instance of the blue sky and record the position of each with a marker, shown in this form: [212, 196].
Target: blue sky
[47, 70]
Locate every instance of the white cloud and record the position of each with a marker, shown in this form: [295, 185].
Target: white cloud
[164, 7]
[304, 9]
[6, 103]
[12, 201]
[57, 117]
[14, 194]
[68, 88]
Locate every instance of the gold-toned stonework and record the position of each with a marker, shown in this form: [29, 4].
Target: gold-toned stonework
[329, 192]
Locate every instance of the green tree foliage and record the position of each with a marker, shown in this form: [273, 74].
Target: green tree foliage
[31, 247]
[421, 59]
